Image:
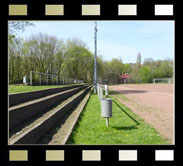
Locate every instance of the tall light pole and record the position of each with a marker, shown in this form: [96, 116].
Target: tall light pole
[95, 60]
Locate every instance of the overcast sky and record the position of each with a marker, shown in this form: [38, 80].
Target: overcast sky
[116, 39]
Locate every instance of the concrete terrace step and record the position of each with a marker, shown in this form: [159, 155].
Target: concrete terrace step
[31, 133]
[66, 125]
[20, 113]
[18, 98]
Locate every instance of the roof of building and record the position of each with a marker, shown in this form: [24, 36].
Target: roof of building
[126, 75]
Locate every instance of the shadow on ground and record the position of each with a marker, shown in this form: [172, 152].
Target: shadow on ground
[133, 119]
[127, 92]
[126, 127]
[46, 139]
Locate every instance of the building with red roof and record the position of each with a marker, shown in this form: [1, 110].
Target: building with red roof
[125, 78]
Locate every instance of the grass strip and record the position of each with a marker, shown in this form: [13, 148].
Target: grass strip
[125, 128]
[24, 88]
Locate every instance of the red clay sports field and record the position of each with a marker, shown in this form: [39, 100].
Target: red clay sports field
[152, 102]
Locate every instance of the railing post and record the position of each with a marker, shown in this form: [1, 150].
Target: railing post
[106, 90]
[31, 78]
[100, 94]
[98, 86]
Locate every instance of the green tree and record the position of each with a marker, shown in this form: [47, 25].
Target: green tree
[145, 74]
[79, 60]
[127, 68]
[113, 69]
[15, 59]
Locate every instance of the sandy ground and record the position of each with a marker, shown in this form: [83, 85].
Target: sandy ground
[152, 102]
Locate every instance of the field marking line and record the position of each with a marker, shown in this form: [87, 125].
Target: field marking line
[150, 91]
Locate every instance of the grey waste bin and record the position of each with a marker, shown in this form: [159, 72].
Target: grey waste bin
[106, 107]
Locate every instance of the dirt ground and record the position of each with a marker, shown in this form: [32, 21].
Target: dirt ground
[152, 102]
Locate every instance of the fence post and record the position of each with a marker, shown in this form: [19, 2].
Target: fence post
[98, 89]
[100, 93]
[31, 78]
[106, 90]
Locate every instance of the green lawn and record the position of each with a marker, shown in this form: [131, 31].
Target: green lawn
[23, 88]
[125, 127]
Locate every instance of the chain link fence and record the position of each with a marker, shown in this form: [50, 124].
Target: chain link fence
[38, 79]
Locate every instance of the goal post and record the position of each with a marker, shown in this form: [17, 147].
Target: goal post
[162, 80]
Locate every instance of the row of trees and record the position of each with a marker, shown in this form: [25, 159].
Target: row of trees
[72, 59]
[156, 69]
[139, 72]
[47, 54]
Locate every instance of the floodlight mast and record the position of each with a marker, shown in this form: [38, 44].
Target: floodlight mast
[95, 60]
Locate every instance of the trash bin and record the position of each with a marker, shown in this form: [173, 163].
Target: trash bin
[106, 107]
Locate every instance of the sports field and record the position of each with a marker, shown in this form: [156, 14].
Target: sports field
[152, 102]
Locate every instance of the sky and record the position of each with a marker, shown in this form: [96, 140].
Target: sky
[115, 39]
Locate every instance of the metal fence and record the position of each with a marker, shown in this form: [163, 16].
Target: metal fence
[39, 78]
